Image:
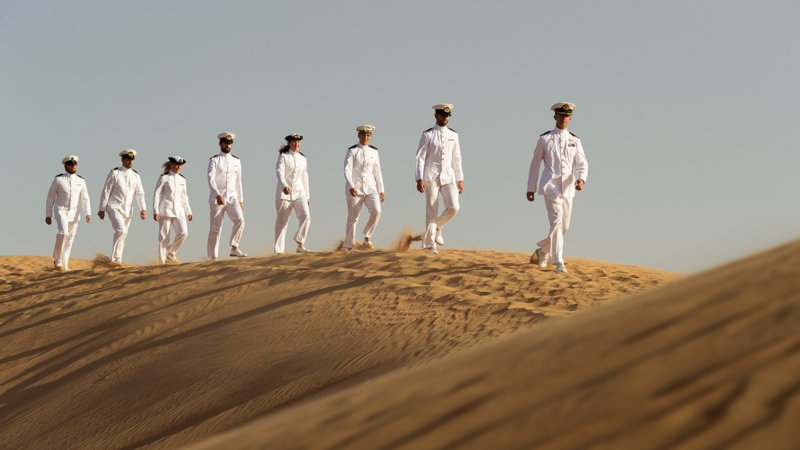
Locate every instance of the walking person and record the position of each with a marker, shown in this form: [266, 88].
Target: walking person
[292, 193]
[439, 173]
[171, 209]
[122, 185]
[66, 194]
[226, 196]
[363, 186]
[559, 154]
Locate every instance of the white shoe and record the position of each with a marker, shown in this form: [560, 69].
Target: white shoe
[539, 258]
[172, 258]
[434, 250]
[368, 244]
[302, 248]
[59, 267]
[213, 258]
[238, 253]
[439, 239]
[561, 268]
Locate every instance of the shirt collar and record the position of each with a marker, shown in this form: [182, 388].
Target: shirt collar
[560, 131]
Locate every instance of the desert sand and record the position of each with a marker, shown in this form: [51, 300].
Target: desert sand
[171, 355]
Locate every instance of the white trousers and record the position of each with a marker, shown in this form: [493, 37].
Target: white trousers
[181, 232]
[559, 211]
[64, 238]
[449, 194]
[236, 215]
[120, 224]
[284, 209]
[354, 204]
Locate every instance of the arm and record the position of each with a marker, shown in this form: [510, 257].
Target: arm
[139, 194]
[422, 153]
[280, 171]
[239, 189]
[305, 183]
[157, 196]
[212, 179]
[52, 193]
[457, 161]
[107, 186]
[348, 169]
[185, 199]
[87, 208]
[376, 171]
[581, 164]
[533, 172]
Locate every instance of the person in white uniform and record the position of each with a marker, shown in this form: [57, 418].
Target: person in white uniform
[292, 193]
[122, 185]
[171, 209]
[439, 173]
[226, 196]
[363, 186]
[564, 169]
[67, 192]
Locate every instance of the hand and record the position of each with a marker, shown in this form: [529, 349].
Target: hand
[383, 197]
[88, 218]
[101, 215]
[241, 205]
[287, 190]
[353, 192]
[579, 185]
[530, 196]
[143, 214]
[420, 186]
[309, 202]
[155, 217]
[460, 185]
[48, 220]
[189, 217]
[220, 200]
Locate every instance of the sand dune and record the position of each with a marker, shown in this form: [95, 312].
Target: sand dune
[712, 361]
[170, 355]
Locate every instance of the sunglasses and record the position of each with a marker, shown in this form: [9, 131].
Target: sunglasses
[70, 163]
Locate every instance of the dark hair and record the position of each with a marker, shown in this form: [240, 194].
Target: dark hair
[284, 148]
[166, 167]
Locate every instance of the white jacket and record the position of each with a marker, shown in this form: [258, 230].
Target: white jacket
[439, 156]
[561, 154]
[292, 171]
[121, 187]
[225, 178]
[171, 199]
[362, 170]
[66, 191]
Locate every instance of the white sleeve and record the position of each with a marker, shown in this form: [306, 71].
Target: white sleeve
[422, 150]
[157, 194]
[581, 163]
[457, 161]
[212, 179]
[52, 193]
[139, 193]
[239, 184]
[533, 172]
[305, 182]
[376, 171]
[185, 198]
[87, 207]
[280, 171]
[106, 191]
[348, 169]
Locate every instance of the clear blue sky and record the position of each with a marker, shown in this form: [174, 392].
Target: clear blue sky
[685, 109]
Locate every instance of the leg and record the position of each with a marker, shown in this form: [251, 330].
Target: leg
[236, 215]
[353, 211]
[164, 225]
[181, 233]
[216, 214]
[431, 210]
[62, 229]
[373, 202]
[69, 238]
[553, 244]
[120, 224]
[283, 209]
[304, 216]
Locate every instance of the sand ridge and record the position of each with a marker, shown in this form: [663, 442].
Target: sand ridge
[169, 355]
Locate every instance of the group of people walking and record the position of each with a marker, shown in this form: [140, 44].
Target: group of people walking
[438, 174]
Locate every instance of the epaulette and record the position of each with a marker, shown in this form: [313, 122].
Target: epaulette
[454, 131]
[80, 177]
[137, 173]
[303, 154]
[353, 146]
[546, 133]
[429, 129]
[235, 156]
[115, 168]
[574, 135]
[181, 175]
[60, 175]
[372, 146]
[213, 157]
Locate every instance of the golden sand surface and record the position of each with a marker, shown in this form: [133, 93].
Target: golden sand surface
[331, 350]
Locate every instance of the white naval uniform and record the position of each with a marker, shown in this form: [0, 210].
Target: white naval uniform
[291, 171]
[362, 172]
[438, 163]
[121, 187]
[564, 163]
[66, 192]
[171, 203]
[225, 179]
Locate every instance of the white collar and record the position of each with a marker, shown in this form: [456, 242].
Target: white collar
[560, 131]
